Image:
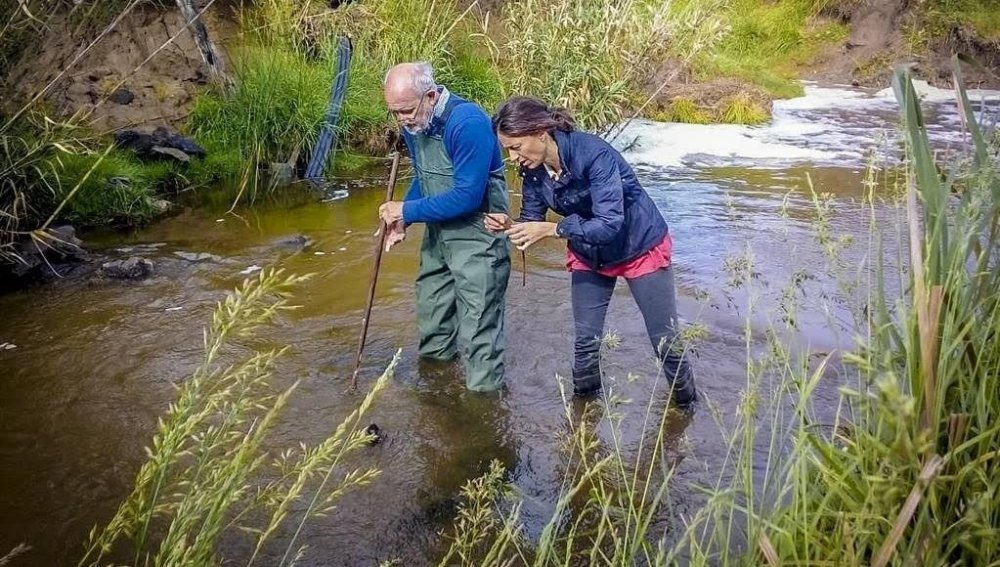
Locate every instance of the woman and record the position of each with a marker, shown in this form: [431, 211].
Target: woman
[611, 226]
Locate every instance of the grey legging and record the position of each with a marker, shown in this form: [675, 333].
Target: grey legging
[654, 294]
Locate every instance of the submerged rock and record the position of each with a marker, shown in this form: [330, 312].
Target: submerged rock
[336, 195]
[376, 433]
[132, 268]
[53, 254]
[198, 256]
[295, 242]
[59, 244]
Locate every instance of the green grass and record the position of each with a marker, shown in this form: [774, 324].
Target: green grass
[590, 56]
[922, 422]
[686, 111]
[587, 56]
[741, 109]
[475, 77]
[737, 109]
[111, 188]
[767, 42]
[935, 23]
[220, 164]
[273, 112]
[980, 16]
[51, 171]
[348, 164]
[903, 473]
[276, 109]
[760, 46]
[284, 74]
[25, 147]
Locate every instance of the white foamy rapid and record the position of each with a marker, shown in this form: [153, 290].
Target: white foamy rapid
[830, 126]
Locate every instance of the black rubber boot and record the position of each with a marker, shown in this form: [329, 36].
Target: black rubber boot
[684, 392]
[586, 383]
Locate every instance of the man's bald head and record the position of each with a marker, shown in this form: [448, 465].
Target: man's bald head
[409, 80]
[410, 94]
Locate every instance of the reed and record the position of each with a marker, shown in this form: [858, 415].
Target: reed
[208, 473]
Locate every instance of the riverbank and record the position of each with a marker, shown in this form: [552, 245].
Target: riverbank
[683, 61]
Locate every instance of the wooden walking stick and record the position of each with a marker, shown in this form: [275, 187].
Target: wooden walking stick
[524, 272]
[383, 234]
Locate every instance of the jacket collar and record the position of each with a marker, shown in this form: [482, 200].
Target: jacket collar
[541, 173]
[443, 95]
[439, 117]
[562, 145]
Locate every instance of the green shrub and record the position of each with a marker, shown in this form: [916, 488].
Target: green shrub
[118, 189]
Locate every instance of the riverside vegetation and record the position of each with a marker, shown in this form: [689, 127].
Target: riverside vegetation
[604, 61]
[904, 474]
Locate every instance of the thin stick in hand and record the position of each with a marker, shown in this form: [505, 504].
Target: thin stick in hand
[383, 234]
[524, 271]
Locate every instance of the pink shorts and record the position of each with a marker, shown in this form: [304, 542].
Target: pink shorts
[657, 258]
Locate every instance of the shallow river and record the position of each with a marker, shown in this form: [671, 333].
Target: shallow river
[95, 363]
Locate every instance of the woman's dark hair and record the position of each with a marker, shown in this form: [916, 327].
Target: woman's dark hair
[525, 116]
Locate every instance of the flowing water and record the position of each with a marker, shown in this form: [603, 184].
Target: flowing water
[88, 366]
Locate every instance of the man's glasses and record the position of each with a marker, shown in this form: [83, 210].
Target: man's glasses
[402, 115]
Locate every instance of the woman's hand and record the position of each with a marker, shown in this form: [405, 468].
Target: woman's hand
[497, 222]
[525, 234]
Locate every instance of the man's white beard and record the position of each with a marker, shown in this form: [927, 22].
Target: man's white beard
[417, 129]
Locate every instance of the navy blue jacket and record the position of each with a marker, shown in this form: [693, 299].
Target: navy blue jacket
[608, 217]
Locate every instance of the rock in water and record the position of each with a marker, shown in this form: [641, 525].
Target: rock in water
[63, 241]
[58, 244]
[44, 255]
[198, 257]
[376, 433]
[296, 242]
[133, 268]
[162, 206]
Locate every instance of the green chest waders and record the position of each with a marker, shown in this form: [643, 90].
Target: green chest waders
[463, 275]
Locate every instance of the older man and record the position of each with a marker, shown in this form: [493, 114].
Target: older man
[459, 177]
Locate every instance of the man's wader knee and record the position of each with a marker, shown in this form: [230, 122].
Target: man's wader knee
[463, 274]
